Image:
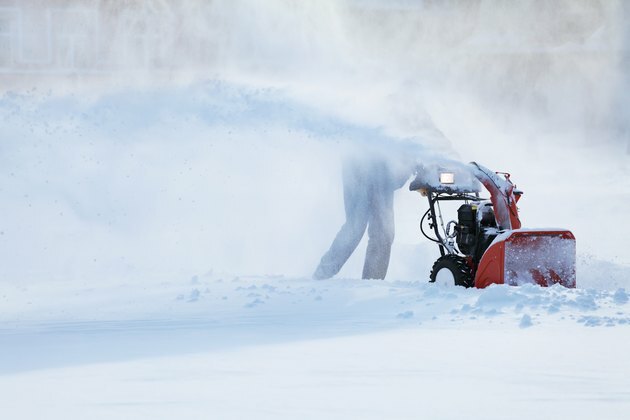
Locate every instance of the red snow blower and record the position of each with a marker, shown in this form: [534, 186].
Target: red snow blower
[486, 243]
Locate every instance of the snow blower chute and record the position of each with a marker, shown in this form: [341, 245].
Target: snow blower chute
[486, 243]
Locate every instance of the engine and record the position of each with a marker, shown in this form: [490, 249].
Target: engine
[476, 229]
[467, 228]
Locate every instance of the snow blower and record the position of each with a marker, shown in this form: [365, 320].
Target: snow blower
[486, 243]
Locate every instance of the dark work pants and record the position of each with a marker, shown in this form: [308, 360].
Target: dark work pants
[368, 190]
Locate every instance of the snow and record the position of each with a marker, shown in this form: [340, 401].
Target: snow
[161, 214]
[111, 308]
[269, 347]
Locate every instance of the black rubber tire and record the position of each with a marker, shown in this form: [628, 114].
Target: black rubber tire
[457, 265]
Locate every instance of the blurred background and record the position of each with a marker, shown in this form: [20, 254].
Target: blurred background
[157, 138]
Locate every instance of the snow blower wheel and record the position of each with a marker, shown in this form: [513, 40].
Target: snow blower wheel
[453, 270]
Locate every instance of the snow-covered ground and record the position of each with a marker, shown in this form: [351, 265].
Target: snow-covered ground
[273, 347]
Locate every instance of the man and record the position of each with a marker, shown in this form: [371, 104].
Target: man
[369, 182]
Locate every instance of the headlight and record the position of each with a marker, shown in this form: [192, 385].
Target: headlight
[447, 178]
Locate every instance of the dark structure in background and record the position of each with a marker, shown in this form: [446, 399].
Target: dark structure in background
[82, 36]
[624, 101]
[508, 54]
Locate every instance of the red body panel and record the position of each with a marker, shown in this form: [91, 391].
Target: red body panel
[490, 269]
[502, 195]
[516, 257]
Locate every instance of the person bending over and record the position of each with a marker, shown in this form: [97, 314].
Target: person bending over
[369, 183]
